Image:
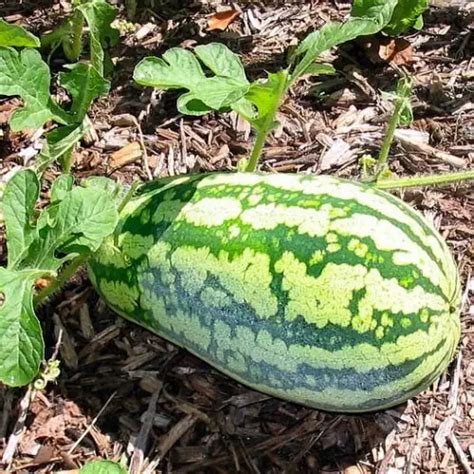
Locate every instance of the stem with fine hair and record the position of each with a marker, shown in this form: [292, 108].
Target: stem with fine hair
[403, 92]
[430, 180]
[73, 45]
[63, 277]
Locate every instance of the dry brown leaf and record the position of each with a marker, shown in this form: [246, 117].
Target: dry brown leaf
[221, 20]
[398, 51]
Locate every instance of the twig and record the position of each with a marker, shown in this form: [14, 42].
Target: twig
[19, 426]
[94, 421]
[139, 446]
[454, 389]
[462, 458]
[174, 434]
[142, 144]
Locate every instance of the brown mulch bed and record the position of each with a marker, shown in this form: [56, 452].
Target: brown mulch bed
[126, 393]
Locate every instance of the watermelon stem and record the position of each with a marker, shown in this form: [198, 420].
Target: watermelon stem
[402, 114]
[269, 122]
[430, 180]
[63, 277]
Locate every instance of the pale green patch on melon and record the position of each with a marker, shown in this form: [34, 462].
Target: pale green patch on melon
[110, 255]
[215, 298]
[247, 276]
[320, 300]
[167, 211]
[158, 259]
[210, 212]
[359, 248]
[120, 295]
[317, 257]
[268, 216]
[135, 245]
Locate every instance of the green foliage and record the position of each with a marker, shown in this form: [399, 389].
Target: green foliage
[407, 14]
[26, 75]
[68, 230]
[102, 467]
[367, 18]
[180, 69]
[98, 15]
[16, 36]
[215, 79]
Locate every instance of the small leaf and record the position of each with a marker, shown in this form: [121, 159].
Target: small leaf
[367, 17]
[59, 142]
[75, 226]
[99, 16]
[17, 36]
[110, 187]
[406, 15]
[26, 75]
[18, 204]
[21, 340]
[266, 97]
[102, 467]
[317, 69]
[85, 84]
[61, 187]
[221, 20]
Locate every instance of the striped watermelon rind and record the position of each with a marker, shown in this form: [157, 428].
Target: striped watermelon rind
[316, 290]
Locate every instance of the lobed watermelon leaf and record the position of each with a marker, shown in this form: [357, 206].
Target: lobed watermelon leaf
[180, 69]
[26, 75]
[16, 36]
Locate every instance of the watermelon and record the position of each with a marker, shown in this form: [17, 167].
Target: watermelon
[314, 289]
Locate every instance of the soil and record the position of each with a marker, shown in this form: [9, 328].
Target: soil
[126, 394]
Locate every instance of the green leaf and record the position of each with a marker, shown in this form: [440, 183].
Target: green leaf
[221, 61]
[99, 16]
[75, 226]
[367, 17]
[266, 97]
[26, 75]
[180, 69]
[102, 467]
[113, 189]
[316, 69]
[21, 340]
[177, 69]
[18, 204]
[58, 143]
[16, 36]
[419, 23]
[406, 15]
[85, 84]
[61, 187]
